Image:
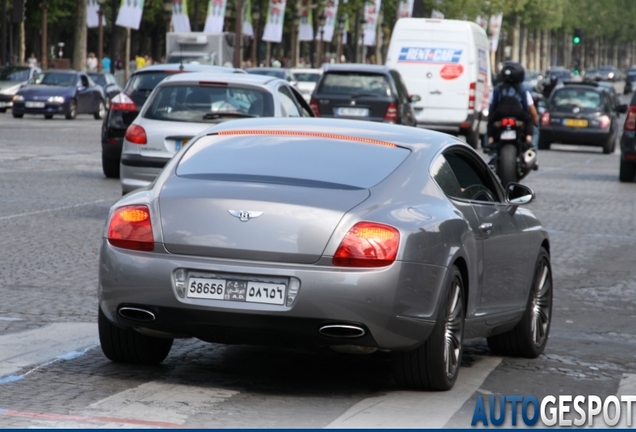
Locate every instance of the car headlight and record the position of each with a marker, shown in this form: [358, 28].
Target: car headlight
[56, 99]
[610, 75]
[18, 98]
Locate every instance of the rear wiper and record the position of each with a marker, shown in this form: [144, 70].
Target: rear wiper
[218, 115]
[357, 95]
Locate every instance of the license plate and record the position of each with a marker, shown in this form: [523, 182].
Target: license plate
[34, 104]
[179, 144]
[575, 123]
[236, 290]
[352, 112]
[509, 135]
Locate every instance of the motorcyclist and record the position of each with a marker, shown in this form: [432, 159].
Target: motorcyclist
[510, 100]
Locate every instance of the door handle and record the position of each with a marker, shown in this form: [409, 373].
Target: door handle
[436, 92]
[486, 227]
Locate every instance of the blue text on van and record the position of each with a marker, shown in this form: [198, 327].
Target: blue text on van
[429, 55]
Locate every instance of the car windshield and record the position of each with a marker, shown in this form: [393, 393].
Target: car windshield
[293, 160]
[355, 84]
[307, 76]
[54, 79]
[195, 103]
[14, 74]
[583, 99]
[273, 73]
[98, 78]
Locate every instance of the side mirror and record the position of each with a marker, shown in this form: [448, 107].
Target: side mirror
[622, 108]
[519, 194]
[414, 98]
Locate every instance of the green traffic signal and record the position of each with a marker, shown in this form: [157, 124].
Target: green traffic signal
[576, 40]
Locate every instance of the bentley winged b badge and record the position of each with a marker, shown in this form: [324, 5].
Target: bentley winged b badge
[244, 216]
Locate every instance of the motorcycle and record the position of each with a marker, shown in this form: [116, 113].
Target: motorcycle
[511, 159]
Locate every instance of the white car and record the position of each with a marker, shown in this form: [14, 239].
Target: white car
[183, 105]
[306, 80]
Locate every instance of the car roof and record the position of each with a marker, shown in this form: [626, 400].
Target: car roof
[186, 67]
[195, 77]
[307, 70]
[357, 67]
[584, 84]
[266, 69]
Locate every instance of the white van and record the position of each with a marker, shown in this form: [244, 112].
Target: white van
[446, 63]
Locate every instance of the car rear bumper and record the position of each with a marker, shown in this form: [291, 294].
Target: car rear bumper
[394, 314]
[138, 171]
[576, 136]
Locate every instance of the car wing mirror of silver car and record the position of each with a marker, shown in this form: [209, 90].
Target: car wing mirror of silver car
[518, 194]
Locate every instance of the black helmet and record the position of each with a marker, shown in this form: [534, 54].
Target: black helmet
[512, 73]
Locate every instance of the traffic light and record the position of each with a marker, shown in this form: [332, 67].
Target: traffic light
[578, 36]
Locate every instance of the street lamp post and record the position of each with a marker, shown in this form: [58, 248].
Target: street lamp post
[100, 43]
[341, 22]
[321, 23]
[256, 16]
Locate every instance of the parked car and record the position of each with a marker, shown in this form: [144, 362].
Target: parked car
[353, 235]
[627, 168]
[183, 105]
[12, 78]
[581, 114]
[108, 83]
[125, 106]
[282, 73]
[60, 92]
[364, 92]
[306, 80]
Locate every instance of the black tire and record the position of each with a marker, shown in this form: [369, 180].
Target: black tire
[3, 110]
[544, 144]
[48, 116]
[610, 145]
[507, 166]
[129, 346]
[530, 336]
[110, 167]
[101, 111]
[435, 364]
[472, 137]
[18, 115]
[72, 110]
[627, 171]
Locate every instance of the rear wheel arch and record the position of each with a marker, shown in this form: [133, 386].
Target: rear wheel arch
[462, 266]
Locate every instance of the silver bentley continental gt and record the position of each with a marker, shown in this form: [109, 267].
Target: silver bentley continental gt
[351, 235]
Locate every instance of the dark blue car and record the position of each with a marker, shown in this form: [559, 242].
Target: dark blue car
[58, 92]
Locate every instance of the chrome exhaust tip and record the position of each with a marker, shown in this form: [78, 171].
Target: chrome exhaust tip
[137, 314]
[342, 331]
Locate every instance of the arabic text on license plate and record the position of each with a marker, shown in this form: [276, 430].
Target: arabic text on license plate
[575, 122]
[34, 104]
[509, 135]
[352, 112]
[235, 290]
[179, 144]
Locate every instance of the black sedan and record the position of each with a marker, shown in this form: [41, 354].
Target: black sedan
[581, 114]
[61, 92]
[363, 92]
[108, 83]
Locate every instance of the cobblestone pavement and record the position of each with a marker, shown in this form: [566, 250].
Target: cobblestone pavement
[53, 203]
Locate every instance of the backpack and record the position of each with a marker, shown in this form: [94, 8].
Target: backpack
[510, 101]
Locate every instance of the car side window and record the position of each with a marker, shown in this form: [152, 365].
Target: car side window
[401, 88]
[298, 98]
[290, 109]
[84, 81]
[473, 179]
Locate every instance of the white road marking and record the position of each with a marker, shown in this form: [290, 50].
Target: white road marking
[34, 347]
[409, 409]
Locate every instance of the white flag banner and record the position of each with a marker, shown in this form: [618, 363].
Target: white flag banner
[331, 11]
[306, 27]
[92, 15]
[437, 14]
[482, 22]
[180, 19]
[215, 17]
[371, 13]
[275, 17]
[130, 13]
[248, 29]
[495, 29]
[405, 9]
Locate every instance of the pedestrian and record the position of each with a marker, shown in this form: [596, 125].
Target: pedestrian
[106, 64]
[140, 62]
[119, 65]
[91, 63]
[32, 61]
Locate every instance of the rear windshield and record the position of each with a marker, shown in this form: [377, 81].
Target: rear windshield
[273, 73]
[191, 103]
[577, 98]
[140, 85]
[291, 160]
[306, 76]
[98, 78]
[355, 84]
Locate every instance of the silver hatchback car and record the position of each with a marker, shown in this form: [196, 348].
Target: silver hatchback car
[183, 105]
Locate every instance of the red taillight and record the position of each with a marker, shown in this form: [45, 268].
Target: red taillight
[545, 119]
[315, 107]
[122, 102]
[471, 95]
[136, 134]
[605, 122]
[630, 121]
[508, 122]
[368, 244]
[391, 113]
[130, 228]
